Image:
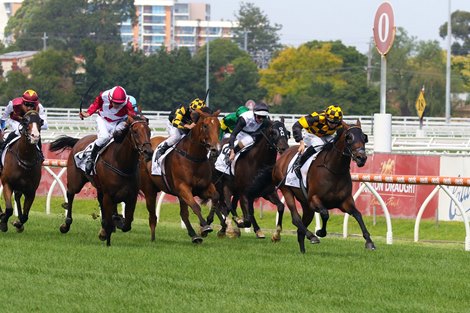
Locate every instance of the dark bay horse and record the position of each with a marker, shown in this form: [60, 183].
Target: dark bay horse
[329, 183]
[21, 172]
[117, 174]
[272, 140]
[188, 173]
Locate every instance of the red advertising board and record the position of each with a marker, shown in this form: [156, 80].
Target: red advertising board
[403, 200]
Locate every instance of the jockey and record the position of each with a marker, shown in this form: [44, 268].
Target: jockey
[14, 112]
[247, 124]
[321, 126]
[180, 122]
[113, 107]
[227, 124]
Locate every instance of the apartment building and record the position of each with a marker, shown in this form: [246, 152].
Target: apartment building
[173, 24]
[160, 23]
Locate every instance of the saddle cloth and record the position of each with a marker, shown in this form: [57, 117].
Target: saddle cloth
[6, 148]
[292, 179]
[221, 163]
[157, 165]
[81, 157]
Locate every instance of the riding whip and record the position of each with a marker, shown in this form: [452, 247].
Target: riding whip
[85, 95]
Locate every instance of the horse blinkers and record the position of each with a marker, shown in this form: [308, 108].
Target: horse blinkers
[356, 145]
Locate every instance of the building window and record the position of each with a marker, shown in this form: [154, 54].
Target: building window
[154, 20]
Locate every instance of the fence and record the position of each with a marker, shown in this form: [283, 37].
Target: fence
[364, 179]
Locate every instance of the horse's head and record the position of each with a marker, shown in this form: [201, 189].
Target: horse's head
[31, 126]
[206, 131]
[355, 143]
[278, 135]
[138, 126]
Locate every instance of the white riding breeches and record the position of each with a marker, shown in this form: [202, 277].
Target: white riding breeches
[106, 129]
[174, 133]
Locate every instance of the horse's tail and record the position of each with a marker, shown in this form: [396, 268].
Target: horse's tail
[63, 143]
[262, 183]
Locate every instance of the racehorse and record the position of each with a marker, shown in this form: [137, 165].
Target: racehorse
[187, 173]
[270, 141]
[329, 183]
[116, 177]
[21, 172]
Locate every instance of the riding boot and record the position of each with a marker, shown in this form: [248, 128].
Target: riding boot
[161, 151]
[90, 163]
[10, 137]
[301, 160]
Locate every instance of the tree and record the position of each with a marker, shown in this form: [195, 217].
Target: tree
[67, 22]
[262, 37]
[52, 76]
[460, 21]
[233, 75]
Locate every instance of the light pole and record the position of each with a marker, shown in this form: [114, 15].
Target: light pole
[207, 68]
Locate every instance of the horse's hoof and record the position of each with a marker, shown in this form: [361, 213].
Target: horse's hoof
[205, 230]
[125, 228]
[3, 227]
[65, 206]
[221, 234]
[260, 234]
[314, 240]
[19, 226]
[64, 228]
[321, 233]
[196, 240]
[370, 246]
[102, 235]
[276, 238]
[118, 221]
[239, 221]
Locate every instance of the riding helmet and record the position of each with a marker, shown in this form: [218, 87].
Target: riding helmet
[118, 95]
[261, 109]
[197, 104]
[334, 114]
[30, 96]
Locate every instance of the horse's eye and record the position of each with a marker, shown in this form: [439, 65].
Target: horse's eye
[350, 138]
[366, 138]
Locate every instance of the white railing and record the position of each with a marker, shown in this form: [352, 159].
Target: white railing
[440, 137]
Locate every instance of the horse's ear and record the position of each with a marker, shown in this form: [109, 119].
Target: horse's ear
[139, 108]
[216, 113]
[358, 123]
[282, 119]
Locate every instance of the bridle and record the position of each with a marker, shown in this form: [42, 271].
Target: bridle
[273, 143]
[347, 151]
[138, 147]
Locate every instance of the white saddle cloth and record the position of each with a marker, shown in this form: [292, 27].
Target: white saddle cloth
[292, 179]
[6, 148]
[82, 156]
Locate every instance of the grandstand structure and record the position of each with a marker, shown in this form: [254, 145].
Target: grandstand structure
[436, 136]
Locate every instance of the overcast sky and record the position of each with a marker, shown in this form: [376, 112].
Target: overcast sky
[350, 21]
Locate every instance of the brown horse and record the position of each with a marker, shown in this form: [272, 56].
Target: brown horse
[117, 174]
[21, 172]
[188, 173]
[329, 183]
[270, 141]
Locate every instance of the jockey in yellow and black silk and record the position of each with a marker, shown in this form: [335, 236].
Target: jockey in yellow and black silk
[320, 127]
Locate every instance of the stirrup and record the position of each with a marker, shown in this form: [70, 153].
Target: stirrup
[89, 167]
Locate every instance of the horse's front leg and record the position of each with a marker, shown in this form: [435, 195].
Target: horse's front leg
[150, 201]
[107, 224]
[23, 213]
[129, 213]
[274, 199]
[184, 213]
[350, 207]
[249, 203]
[187, 196]
[4, 217]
